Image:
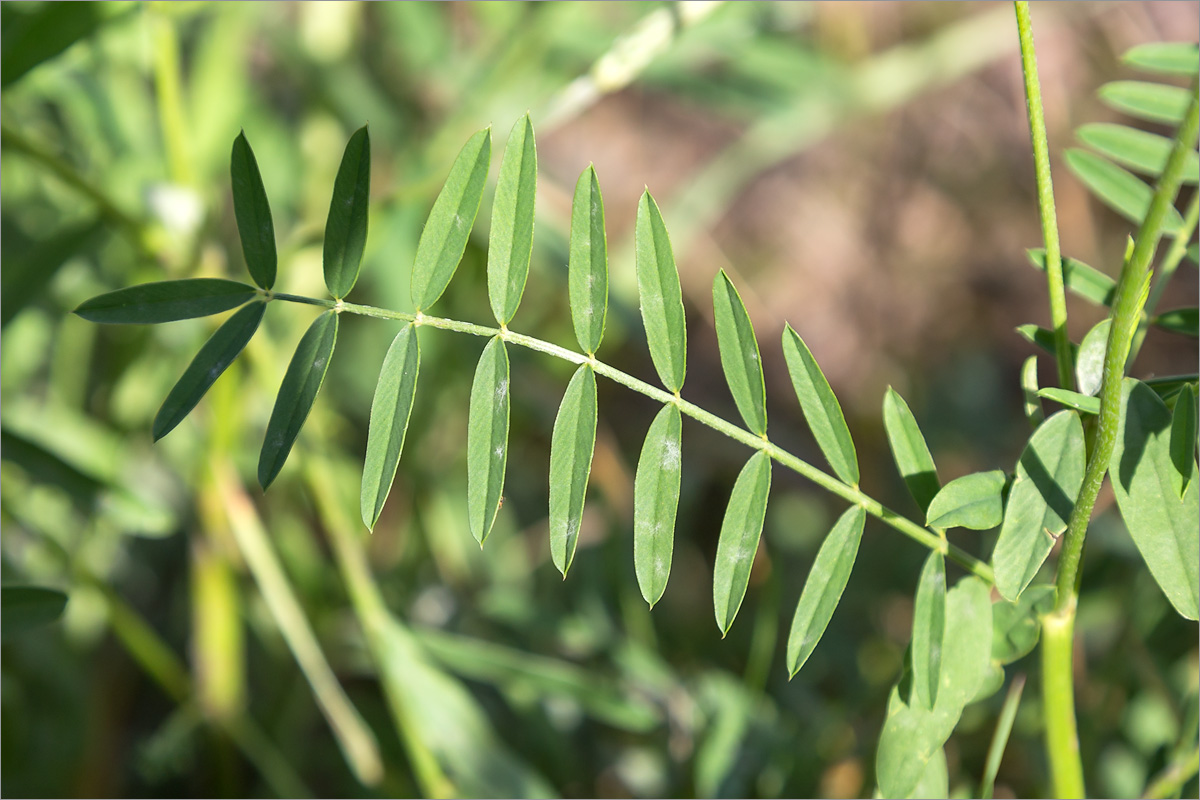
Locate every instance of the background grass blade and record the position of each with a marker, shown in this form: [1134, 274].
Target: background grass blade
[346, 229]
[929, 625]
[740, 532]
[1120, 190]
[909, 450]
[449, 225]
[1048, 476]
[297, 393]
[166, 301]
[1183, 439]
[655, 503]
[511, 240]
[824, 586]
[588, 267]
[1168, 58]
[1136, 149]
[212, 360]
[661, 296]
[487, 438]
[1153, 102]
[820, 407]
[571, 448]
[973, 501]
[253, 213]
[739, 354]
[390, 410]
[1084, 280]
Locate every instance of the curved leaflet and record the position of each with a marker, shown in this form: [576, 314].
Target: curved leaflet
[346, 229]
[511, 240]
[390, 410]
[487, 438]
[661, 295]
[588, 266]
[820, 407]
[166, 301]
[656, 502]
[909, 449]
[253, 213]
[740, 358]
[571, 448]
[1120, 190]
[738, 543]
[973, 501]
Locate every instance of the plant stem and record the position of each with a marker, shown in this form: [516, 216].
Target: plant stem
[1045, 193]
[1170, 263]
[831, 484]
[1058, 702]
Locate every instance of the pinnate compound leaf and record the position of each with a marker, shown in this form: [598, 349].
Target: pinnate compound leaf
[661, 295]
[588, 266]
[656, 502]
[1086, 281]
[346, 228]
[821, 408]
[738, 543]
[740, 359]
[973, 501]
[253, 213]
[213, 359]
[510, 243]
[1167, 58]
[1048, 476]
[167, 301]
[297, 393]
[1164, 526]
[390, 411]
[1082, 403]
[1120, 190]
[1089, 362]
[1016, 626]
[1154, 102]
[1029, 390]
[1183, 439]
[487, 438]
[25, 607]
[1185, 321]
[1140, 151]
[448, 228]
[929, 625]
[824, 586]
[571, 449]
[909, 449]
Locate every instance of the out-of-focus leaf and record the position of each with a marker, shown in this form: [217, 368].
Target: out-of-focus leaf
[1164, 526]
[25, 607]
[1154, 102]
[1183, 439]
[253, 213]
[738, 543]
[1080, 402]
[390, 411]
[31, 37]
[1029, 390]
[1048, 476]
[346, 229]
[1120, 190]
[935, 780]
[213, 359]
[45, 467]
[821, 408]
[511, 240]
[588, 267]
[929, 625]
[739, 354]
[1138, 150]
[1086, 281]
[571, 448]
[973, 501]
[297, 393]
[27, 273]
[1016, 625]
[449, 225]
[167, 301]
[1089, 363]
[909, 449]
[1185, 321]
[1167, 58]
[487, 438]
[661, 295]
[655, 503]
[1193, 252]
[1042, 338]
[824, 586]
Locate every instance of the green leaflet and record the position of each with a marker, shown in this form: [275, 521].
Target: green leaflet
[913, 735]
[346, 229]
[213, 359]
[935, 779]
[1089, 362]
[820, 407]
[1120, 190]
[1016, 626]
[487, 438]
[1193, 252]
[571, 449]
[1183, 440]
[25, 607]
[40, 33]
[1138, 150]
[740, 359]
[449, 225]
[661, 295]
[1155, 102]
[253, 213]
[511, 240]
[1029, 390]
[167, 301]
[1168, 58]
[296, 395]
[655, 503]
[1080, 402]
[738, 543]
[973, 501]
[588, 268]
[824, 586]
[929, 624]
[1185, 321]
[1043, 338]
[1048, 476]
[390, 410]
[1086, 281]
[1164, 526]
[909, 449]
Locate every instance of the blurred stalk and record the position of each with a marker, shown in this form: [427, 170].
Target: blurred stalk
[1012, 701]
[1178, 249]
[1170, 782]
[167, 83]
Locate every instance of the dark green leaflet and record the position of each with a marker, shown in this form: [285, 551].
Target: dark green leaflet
[253, 213]
[346, 229]
[167, 301]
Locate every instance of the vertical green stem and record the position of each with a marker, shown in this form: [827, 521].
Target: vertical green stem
[1058, 703]
[1045, 192]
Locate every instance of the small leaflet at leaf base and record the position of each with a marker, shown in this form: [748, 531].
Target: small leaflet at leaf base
[588, 266]
[1183, 439]
[929, 622]
[487, 438]
[1017, 626]
[510, 242]
[253, 214]
[390, 411]
[571, 449]
[1089, 363]
[1117, 188]
[821, 408]
[166, 301]
[346, 228]
[824, 586]
[213, 359]
[740, 358]
[297, 393]
[656, 502]
[973, 501]
[1164, 526]
[738, 543]
[1048, 476]
[661, 295]
[909, 450]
